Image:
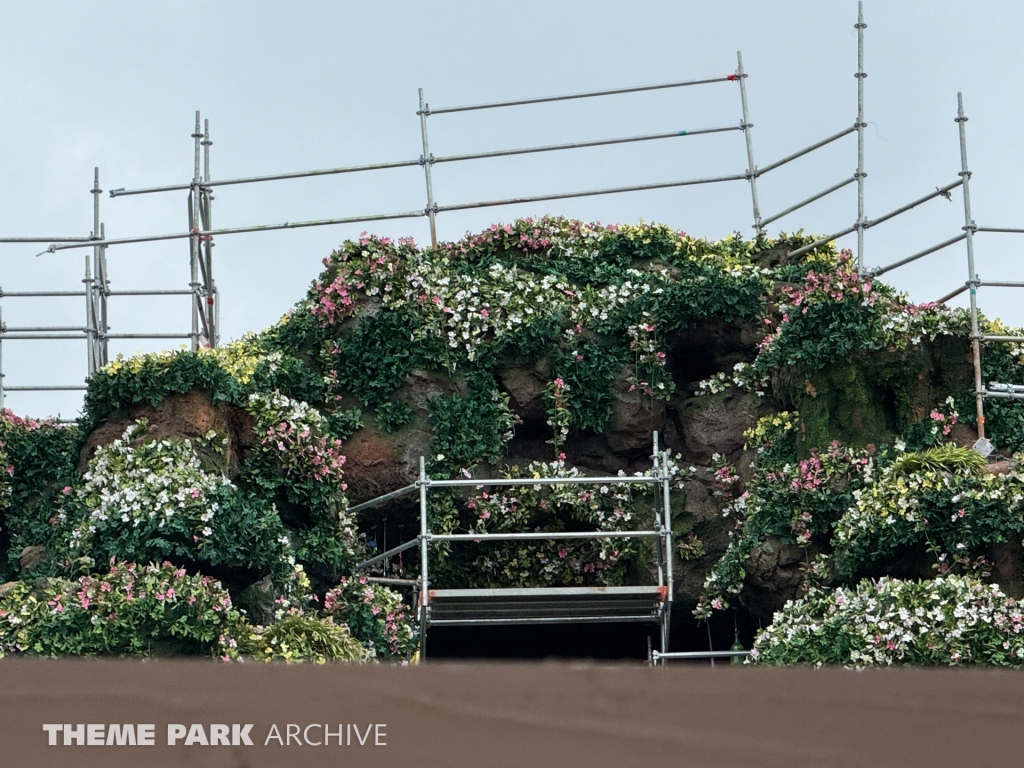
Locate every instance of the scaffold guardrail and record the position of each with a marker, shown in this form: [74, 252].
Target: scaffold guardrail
[538, 605]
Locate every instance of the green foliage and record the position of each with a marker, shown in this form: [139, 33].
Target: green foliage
[375, 358]
[946, 458]
[341, 425]
[375, 615]
[304, 638]
[130, 611]
[949, 621]
[150, 378]
[587, 372]
[393, 415]
[469, 429]
[834, 313]
[37, 460]
[928, 504]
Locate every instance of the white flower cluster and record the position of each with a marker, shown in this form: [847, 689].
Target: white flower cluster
[148, 485]
[741, 377]
[952, 620]
[896, 499]
[927, 323]
[273, 407]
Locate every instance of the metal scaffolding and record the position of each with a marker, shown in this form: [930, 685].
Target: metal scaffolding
[542, 605]
[200, 233]
[982, 391]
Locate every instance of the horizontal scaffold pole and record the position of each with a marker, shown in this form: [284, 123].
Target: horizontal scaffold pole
[479, 537]
[614, 480]
[806, 150]
[47, 388]
[808, 201]
[147, 335]
[997, 387]
[918, 255]
[243, 230]
[169, 292]
[269, 177]
[40, 336]
[37, 294]
[1005, 230]
[584, 95]
[583, 144]
[43, 328]
[699, 655]
[48, 240]
[589, 193]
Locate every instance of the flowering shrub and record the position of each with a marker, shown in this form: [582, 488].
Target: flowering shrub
[301, 467]
[301, 638]
[142, 498]
[6, 472]
[837, 311]
[37, 459]
[290, 433]
[376, 617]
[559, 416]
[146, 499]
[833, 312]
[130, 611]
[951, 620]
[935, 428]
[793, 500]
[946, 508]
[648, 374]
[598, 299]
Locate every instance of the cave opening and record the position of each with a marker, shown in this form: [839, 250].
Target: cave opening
[713, 346]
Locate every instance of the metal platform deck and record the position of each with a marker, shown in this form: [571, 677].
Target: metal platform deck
[546, 605]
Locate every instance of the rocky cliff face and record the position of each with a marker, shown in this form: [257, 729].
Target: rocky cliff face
[783, 389]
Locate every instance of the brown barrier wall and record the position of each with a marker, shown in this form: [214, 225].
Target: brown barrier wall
[457, 715]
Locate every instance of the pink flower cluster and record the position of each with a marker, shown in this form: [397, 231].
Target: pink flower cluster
[299, 450]
[29, 425]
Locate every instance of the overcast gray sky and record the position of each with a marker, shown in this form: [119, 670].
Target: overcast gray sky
[298, 86]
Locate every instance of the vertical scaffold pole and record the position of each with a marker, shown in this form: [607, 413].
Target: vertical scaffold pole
[206, 198]
[860, 26]
[193, 224]
[656, 468]
[91, 324]
[427, 160]
[741, 76]
[90, 319]
[424, 573]
[972, 277]
[102, 292]
[2, 329]
[666, 489]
